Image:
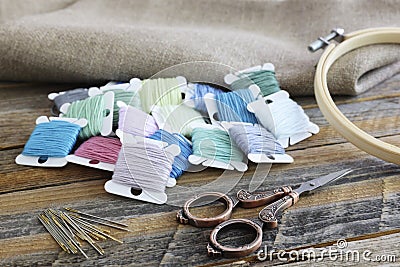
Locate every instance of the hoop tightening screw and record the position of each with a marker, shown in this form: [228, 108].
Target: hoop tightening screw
[322, 42]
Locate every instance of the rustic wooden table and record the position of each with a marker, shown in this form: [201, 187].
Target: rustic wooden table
[362, 207]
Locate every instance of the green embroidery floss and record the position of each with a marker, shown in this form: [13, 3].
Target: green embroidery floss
[215, 144]
[161, 92]
[92, 109]
[265, 79]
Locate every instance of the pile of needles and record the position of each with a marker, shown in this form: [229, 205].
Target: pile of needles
[70, 229]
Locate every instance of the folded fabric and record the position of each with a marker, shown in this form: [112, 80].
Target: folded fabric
[94, 41]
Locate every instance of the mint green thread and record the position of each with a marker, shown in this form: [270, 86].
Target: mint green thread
[215, 144]
[180, 119]
[265, 79]
[92, 109]
[161, 92]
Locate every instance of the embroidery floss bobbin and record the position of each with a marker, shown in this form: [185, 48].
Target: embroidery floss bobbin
[181, 162]
[136, 122]
[131, 98]
[161, 92]
[97, 111]
[69, 96]
[52, 139]
[198, 91]
[232, 106]
[142, 168]
[255, 139]
[283, 117]
[178, 119]
[215, 144]
[264, 79]
[258, 144]
[100, 149]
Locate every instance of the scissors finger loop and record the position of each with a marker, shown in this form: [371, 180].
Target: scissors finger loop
[184, 216]
[216, 249]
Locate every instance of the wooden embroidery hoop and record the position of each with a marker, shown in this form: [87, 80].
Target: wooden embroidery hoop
[339, 122]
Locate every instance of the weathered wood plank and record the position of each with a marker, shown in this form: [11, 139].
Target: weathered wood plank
[363, 110]
[15, 177]
[358, 207]
[338, 197]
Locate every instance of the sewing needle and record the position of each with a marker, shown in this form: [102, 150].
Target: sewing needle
[96, 217]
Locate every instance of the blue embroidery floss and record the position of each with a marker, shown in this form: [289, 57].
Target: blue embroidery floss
[52, 139]
[181, 162]
[200, 90]
[255, 139]
[232, 106]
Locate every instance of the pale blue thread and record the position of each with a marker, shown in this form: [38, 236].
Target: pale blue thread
[52, 139]
[200, 90]
[254, 139]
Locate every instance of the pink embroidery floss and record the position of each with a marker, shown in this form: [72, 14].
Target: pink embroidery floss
[99, 148]
[136, 122]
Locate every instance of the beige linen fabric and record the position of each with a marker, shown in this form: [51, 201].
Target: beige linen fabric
[93, 41]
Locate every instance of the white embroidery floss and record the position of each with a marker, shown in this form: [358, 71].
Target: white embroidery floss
[143, 166]
[289, 118]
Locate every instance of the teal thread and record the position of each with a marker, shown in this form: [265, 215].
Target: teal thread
[92, 109]
[265, 79]
[215, 144]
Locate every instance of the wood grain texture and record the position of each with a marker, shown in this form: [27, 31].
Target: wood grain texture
[361, 207]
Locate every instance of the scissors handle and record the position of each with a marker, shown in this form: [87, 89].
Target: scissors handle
[268, 214]
[256, 199]
[184, 216]
[216, 249]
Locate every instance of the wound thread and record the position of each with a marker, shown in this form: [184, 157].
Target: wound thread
[92, 109]
[199, 91]
[215, 144]
[264, 79]
[181, 162]
[289, 118]
[232, 106]
[179, 119]
[68, 97]
[161, 92]
[52, 139]
[254, 139]
[130, 98]
[103, 149]
[144, 166]
[136, 122]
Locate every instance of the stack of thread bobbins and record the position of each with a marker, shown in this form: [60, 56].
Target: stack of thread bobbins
[165, 125]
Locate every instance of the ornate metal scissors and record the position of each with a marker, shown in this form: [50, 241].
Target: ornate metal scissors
[276, 200]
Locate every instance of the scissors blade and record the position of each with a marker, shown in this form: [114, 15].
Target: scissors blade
[318, 182]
